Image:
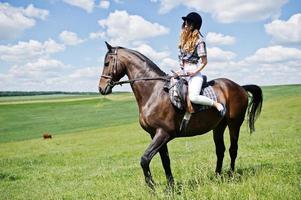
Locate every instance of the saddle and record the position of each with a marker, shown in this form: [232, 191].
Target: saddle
[178, 93]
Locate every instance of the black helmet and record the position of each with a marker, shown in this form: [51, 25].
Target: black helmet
[195, 18]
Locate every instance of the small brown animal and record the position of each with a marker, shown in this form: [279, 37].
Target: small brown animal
[47, 136]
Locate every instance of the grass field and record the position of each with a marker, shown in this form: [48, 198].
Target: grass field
[97, 144]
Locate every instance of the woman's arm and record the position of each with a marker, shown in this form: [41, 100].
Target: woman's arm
[203, 63]
[200, 68]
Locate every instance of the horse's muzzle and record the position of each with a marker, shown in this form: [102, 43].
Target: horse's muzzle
[107, 90]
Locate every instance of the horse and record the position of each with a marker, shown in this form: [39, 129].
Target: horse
[162, 120]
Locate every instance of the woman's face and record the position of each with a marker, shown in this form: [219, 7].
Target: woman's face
[188, 24]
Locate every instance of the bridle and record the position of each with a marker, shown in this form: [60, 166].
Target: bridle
[114, 68]
[113, 71]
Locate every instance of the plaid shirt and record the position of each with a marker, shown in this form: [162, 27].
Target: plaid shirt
[200, 50]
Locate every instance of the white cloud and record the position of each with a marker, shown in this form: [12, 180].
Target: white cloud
[230, 11]
[122, 28]
[25, 51]
[52, 46]
[38, 67]
[118, 1]
[32, 75]
[33, 12]
[97, 35]
[213, 38]
[13, 21]
[162, 59]
[104, 4]
[269, 65]
[46, 73]
[70, 38]
[275, 54]
[83, 79]
[50, 75]
[151, 53]
[285, 31]
[217, 54]
[86, 73]
[30, 65]
[220, 63]
[87, 5]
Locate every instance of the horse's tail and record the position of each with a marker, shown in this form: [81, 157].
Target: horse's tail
[255, 104]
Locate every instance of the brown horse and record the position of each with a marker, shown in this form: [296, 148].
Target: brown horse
[162, 120]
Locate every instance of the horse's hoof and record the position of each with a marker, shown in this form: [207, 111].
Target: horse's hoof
[171, 184]
[218, 173]
[150, 183]
[151, 186]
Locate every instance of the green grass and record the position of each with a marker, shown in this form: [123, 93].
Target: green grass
[57, 115]
[97, 145]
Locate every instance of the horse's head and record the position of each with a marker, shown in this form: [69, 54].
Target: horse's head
[113, 70]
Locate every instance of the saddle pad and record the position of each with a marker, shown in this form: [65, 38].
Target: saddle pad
[208, 92]
[178, 92]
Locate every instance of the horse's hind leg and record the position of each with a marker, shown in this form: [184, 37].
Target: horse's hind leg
[234, 128]
[160, 139]
[166, 164]
[218, 136]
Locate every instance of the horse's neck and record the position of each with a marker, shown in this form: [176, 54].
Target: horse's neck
[140, 69]
[143, 89]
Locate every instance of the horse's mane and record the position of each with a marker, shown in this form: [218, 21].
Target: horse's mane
[150, 63]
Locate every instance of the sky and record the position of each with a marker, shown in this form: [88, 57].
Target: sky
[58, 45]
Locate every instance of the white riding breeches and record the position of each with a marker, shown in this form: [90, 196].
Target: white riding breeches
[195, 85]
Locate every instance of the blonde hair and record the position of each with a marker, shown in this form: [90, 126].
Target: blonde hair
[188, 39]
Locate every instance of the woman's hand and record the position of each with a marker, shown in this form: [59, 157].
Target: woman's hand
[178, 73]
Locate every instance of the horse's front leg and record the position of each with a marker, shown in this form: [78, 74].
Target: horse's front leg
[166, 164]
[161, 138]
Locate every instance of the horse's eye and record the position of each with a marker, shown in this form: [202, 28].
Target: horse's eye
[106, 64]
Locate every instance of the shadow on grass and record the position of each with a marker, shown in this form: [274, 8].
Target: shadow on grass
[227, 177]
[8, 177]
[253, 170]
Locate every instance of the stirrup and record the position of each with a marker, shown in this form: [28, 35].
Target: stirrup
[223, 111]
[185, 122]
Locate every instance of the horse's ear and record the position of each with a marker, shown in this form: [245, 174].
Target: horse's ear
[109, 46]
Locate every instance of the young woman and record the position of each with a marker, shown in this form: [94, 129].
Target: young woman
[193, 59]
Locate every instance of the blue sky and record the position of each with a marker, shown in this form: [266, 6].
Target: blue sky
[59, 44]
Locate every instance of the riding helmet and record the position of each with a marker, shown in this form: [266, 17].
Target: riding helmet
[195, 18]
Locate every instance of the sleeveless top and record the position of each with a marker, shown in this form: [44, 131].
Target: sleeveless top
[194, 57]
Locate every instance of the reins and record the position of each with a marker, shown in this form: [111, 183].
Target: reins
[130, 81]
[163, 78]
